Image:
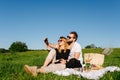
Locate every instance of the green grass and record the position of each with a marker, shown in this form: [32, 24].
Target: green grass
[11, 65]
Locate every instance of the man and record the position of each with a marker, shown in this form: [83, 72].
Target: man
[76, 59]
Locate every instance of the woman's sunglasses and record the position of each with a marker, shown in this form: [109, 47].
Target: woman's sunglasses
[60, 40]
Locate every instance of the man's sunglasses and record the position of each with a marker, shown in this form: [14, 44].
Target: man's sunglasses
[69, 37]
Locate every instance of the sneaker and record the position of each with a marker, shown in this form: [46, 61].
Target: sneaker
[31, 70]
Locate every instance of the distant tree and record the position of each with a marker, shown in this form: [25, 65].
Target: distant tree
[91, 46]
[2, 50]
[18, 47]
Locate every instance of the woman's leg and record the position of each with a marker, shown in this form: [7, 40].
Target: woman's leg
[33, 69]
[50, 57]
[51, 68]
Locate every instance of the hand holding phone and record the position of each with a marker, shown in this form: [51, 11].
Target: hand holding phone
[46, 41]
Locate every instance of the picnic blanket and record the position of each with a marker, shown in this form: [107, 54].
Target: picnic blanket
[96, 74]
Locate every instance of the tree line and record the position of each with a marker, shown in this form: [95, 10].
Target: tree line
[19, 46]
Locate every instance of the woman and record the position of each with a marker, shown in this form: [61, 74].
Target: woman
[58, 62]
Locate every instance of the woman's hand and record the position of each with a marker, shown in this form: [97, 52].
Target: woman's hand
[62, 61]
[46, 41]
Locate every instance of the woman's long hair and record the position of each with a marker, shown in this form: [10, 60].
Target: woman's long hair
[65, 45]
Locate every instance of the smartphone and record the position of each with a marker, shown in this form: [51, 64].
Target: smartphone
[46, 41]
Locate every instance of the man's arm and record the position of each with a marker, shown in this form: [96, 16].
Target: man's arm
[76, 55]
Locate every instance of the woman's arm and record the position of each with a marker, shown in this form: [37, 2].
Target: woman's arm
[53, 45]
[48, 44]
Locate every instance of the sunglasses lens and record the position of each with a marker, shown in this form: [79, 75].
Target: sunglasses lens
[69, 37]
[59, 40]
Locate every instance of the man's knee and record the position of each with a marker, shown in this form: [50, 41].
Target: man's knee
[73, 63]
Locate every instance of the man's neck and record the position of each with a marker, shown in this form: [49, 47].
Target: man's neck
[71, 45]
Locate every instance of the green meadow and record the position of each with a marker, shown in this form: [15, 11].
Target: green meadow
[11, 65]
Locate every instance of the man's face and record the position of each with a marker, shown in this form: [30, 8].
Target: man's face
[70, 38]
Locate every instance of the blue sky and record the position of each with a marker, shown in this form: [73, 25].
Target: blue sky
[30, 21]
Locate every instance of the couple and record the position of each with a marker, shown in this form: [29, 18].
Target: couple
[67, 54]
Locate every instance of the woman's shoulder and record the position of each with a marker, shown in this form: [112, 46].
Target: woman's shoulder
[56, 49]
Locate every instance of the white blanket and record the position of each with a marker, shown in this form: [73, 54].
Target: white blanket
[96, 74]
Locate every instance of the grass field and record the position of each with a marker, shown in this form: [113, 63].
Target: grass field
[11, 65]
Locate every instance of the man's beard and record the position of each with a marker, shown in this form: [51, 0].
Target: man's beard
[69, 42]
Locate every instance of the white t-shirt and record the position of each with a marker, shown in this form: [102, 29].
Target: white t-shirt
[76, 48]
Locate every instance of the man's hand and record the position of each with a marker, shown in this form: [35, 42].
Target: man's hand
[76, 55]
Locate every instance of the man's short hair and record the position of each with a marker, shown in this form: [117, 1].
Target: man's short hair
[75, 34]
